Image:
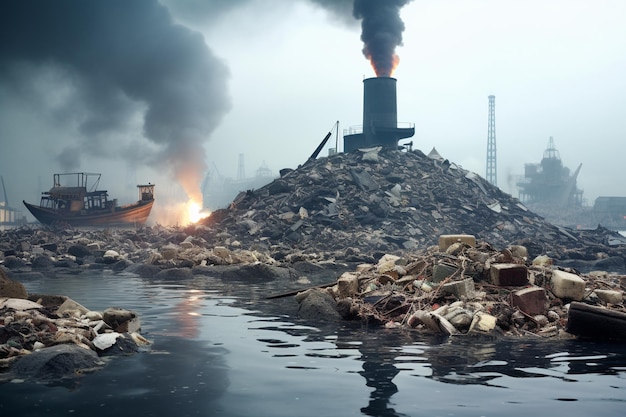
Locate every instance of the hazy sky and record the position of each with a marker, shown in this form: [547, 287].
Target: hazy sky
[209, 80]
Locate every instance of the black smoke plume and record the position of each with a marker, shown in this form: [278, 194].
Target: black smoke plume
[119, 56]
[381, 32]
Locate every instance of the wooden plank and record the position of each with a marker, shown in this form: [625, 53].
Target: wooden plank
[294, 292]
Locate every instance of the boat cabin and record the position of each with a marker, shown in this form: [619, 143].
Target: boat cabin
[77, 192]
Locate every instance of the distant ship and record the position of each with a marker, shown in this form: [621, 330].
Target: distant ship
[70, 202]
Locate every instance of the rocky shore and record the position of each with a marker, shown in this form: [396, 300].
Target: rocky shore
[55, 337]
[397, 239]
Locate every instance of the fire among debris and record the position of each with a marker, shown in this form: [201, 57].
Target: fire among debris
[195, 212]
[178, 213]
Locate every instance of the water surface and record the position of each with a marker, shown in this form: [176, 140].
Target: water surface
[221, 349]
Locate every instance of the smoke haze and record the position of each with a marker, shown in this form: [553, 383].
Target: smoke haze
[112, 57]
[162, 86]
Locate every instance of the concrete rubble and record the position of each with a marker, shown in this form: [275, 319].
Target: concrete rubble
[472, 288]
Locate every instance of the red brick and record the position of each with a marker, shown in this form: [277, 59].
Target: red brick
[509, 275]
[530, 300]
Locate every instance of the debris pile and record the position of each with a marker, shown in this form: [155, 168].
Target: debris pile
[31, 324]
[376, 201]
[460, 286]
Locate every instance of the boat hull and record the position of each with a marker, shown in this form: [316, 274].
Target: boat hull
[130, 215]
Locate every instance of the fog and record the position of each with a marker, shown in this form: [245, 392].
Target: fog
[176, 89]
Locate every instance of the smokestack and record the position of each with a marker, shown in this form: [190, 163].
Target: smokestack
[380, 118]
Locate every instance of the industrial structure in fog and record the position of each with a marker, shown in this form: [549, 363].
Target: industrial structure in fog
[219, 191]
[380, 118]
[549, 182]
[9, 216]
[491, 172]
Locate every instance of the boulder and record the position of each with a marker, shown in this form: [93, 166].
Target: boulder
[116, 344]
[13, 262]
[174, 273]
[56, 362]
[10, 288]
[111, 257]
[143, 270]
[42, 262]
[255, 272]
[79, 251]
[317, 305]
[121, 320]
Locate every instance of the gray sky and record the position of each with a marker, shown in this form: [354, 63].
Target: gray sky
[269, 78]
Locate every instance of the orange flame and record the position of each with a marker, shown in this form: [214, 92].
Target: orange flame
[385, 70]
[179, 213]
[195, 212]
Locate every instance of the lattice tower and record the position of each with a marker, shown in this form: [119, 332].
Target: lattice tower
[492, 171]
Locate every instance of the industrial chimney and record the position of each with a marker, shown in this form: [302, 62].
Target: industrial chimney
[380, 118]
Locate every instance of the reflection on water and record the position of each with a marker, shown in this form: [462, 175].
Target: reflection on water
[222, 350]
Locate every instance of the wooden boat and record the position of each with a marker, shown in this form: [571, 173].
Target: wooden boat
[81, 204]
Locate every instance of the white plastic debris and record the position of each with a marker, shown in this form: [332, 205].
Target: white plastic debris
[105, 340]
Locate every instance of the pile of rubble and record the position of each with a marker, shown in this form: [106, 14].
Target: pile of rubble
[459, 287]
[39, 328]
[375, 201]
[348, 208]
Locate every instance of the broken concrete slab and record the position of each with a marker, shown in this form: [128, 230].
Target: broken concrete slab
[567, 285]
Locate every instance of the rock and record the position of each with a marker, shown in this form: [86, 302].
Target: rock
[79, 251]
[143, 270]
[110, 257]
[121, 320]
[13, 262]
[169, 252]
[56, 362]
[120, 265]
[42, 262]
[124, 344]
[256, 272]
[174, 273]
[10, 288]
[318, 306]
